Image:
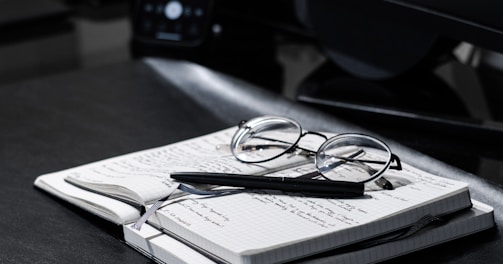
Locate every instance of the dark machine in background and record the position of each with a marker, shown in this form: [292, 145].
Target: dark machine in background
[386, 71]
[382, 61]
[385, 53]
[236, 37]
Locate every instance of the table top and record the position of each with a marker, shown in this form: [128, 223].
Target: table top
[62, 121]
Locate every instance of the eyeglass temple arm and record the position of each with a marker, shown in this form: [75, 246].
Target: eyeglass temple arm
[266, 146]
[302, 135]
[394, 158]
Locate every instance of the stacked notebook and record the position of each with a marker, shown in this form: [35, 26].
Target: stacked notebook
[422, 210]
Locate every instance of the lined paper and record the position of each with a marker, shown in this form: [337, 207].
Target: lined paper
[241, 227]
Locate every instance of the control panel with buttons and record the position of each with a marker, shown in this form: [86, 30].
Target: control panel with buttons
[177, 22]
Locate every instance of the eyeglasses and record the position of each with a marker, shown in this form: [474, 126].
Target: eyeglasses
[344, 162]
[344, 157]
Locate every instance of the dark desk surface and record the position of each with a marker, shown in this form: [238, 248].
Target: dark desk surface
[59, 122]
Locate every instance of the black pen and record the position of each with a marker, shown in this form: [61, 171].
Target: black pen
[321, 188]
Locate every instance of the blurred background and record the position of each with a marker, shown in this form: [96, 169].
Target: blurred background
[50, 36]
[426, 73]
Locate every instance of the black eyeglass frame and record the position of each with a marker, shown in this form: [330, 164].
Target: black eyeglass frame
[243, 129]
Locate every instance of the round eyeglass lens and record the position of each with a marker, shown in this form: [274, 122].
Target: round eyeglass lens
[353, 157]
[265, 138]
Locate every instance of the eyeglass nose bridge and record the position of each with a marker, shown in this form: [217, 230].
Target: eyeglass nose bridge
[309, 152]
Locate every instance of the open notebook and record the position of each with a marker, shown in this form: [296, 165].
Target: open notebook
[162, 248]
[264, 227]
[250, 227]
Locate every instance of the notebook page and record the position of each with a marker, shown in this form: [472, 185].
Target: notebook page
[475, 219]
[250, 223]
[102, 206]
[143, 177]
